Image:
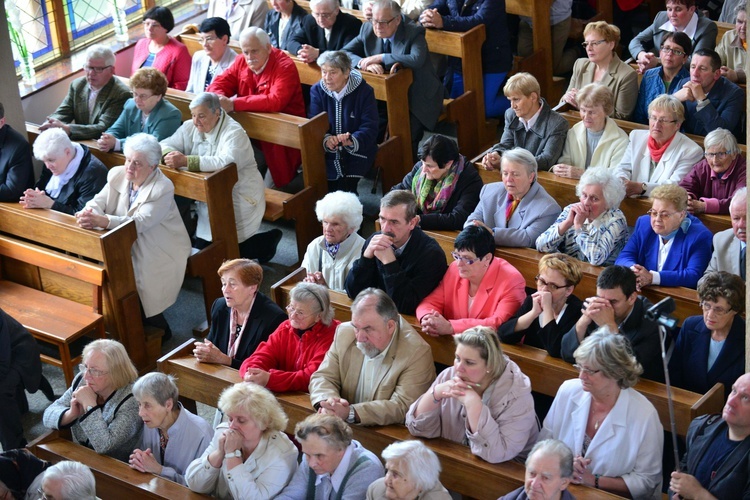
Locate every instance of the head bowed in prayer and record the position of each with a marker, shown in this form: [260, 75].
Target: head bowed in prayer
[68, 480]
[314, 300]
[480, 341]
[375, 319]
[256, 47]
[55, 149]
[256, 403]
[411, 469]
[549, 469]
[324, 440]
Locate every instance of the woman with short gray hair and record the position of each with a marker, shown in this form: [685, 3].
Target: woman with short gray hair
[412, 472]
[295, 350]
[614, 431]
[67, 480]
[595, 229]
[713, 180]
[172, 435]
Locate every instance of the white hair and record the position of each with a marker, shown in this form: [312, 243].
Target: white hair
[341, 204]
[146, 144]
[254, 32]
[77, 480]
[421, 464]
[51, 142]
[101, 52]
[612, 187]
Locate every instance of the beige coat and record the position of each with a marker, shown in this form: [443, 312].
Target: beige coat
[404, 375]
[620, 78]
[161, 250]
[245, 14]
[608, 152]
[732, 54]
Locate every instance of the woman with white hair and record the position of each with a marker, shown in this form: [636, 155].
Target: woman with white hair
[172, 435]
[412, 472]
[67, 480]
[71, 177]
[208, 142]
[330, 257]
[140, 192]
[595, 229]
[713, 180]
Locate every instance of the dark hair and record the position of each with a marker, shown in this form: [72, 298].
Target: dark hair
[617, 277]
[161, 15]
[440, 148]
[218, 25]
[717, 284]
[715, 59]
[686, 3]
[680, 38]
[475, 239]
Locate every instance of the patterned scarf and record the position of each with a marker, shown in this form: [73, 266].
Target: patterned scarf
[433, 195]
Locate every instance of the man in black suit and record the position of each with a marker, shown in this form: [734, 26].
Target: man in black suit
[16, 170]
[326, 29]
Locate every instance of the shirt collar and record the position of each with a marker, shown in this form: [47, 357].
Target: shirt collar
[532, 121]
[338, 475]
[689, 30]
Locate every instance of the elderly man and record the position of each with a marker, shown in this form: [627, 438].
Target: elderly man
[16, 170]
[518, 209]
[240, 14]
[94, 101]
[711, 101]
[66, 480]
[730, 245]
[326, 29]
[216, 56]
[390, 40]
[716, 463]
[376, 367]
[264, 79]
[400, 259]
[618, 306]
[549, 469]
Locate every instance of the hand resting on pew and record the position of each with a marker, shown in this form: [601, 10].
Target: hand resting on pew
[207, 352]
[431, 18]
[308, 53]
[317, 278]
[144, 461]
[88, 219]
[568, 171]
[175, 160]
[336, 406]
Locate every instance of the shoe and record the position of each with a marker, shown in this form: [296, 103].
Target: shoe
[268, 243]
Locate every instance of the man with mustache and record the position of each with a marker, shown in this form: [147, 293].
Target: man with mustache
[377, 366]
[730, 245]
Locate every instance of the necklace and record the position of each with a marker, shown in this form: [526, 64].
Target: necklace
[596, 425]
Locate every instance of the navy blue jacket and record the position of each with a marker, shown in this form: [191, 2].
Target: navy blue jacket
[16, 170]
[86, 183]
[345, 29]
[725, 110]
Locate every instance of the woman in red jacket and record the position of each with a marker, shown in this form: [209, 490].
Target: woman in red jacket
[161, 51]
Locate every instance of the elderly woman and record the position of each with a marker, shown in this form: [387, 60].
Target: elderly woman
[518, 209]
[283, 21]
[147, 111]
[660, 154]
[172, 436]
[603, 65]
[549, 312]
[333, 464]
[351, 141]
[412, 472]
[733, 48]
[711, 348]
[67, 479]
[72, 175]
[594, 141]
[161, 51]
[249, 457]
[140, 192]
[669, 247]
[208, 142]
[478, 289]
[595, 229]
[216, 56]
[529, 124]
[613, 430]
[712, 181]
[241, 319]
[446, 190]
[483, 400]
[99, 407]
[330, 257]
[295, 350]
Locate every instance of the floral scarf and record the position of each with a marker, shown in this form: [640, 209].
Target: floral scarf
[433, 195]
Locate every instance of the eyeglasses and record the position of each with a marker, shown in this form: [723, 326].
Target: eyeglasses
[596, 43]
[42, 495]
[292, 312]
[720, 155]
[676, 52]
[142, 97]
[587, 371]
[465, 260]
[660, 121]
[383, 24]
[661, 215]
[92, 371]
[323, 15]
[551, 286]
[719, 311]
[208, 39]
[95, 69]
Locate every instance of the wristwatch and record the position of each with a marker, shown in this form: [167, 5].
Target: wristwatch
[233, 454]
[351, 419]
[89, 408]
[644, 187]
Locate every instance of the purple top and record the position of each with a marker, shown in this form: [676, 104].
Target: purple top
[704, 184]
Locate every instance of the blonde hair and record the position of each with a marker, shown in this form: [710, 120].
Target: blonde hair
[564, 264]
[609, 32]
[522, 83]
[257, 402]
[672, 193]
[121, 369]
[611, 353]
[669, 104]
[596, 94]
[485, 341]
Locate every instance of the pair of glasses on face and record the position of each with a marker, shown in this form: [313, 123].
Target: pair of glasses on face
[95, 69]
[292, 312]
[667, 50]
[660, 121]
[595, 43]
[383, 24]
[92, 371]
[541, 282]
[465, 260]
[719, 311]
[662, 215]
[719, 156]
[587, 371]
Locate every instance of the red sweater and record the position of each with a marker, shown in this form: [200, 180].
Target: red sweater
[289, 358]
[173, 60]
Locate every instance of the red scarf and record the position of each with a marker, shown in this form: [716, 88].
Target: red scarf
[656, 150]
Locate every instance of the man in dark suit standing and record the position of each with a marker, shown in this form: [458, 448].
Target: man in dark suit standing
[388, 40]
[16, 170]
[326, 29]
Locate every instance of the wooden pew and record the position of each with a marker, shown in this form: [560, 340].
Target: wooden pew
[115, 480]
[462, 472]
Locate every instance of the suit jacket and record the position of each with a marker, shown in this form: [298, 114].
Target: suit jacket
[18, 352]
[409, 48]
[545, 140]
[162, 122]
[265, 317]
[173, 60]
[725, 109]
[403, 375]
[88, 180]
[726, 254]
[107, 108]
[649, 40]
[16, 169]
[245, 14]
[687, 259]
[608, 153]
[675, 163]
[620, 78]
[533, 215]
[345, 29]
[161, 250]
[499, 295]
[199, 69]
[273, 19]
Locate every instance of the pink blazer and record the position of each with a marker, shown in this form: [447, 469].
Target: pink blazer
[173, 60]
[500, 294]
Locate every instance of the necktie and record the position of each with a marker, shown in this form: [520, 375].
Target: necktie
[386, 46]
[742, 262]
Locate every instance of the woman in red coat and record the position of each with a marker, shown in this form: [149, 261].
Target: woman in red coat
[161, 51]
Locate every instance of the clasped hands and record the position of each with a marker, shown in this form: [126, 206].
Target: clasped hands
[381, 248]
[434, 324]
[458, 389]
[581, 472]
[335, 406]
[337, 141]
